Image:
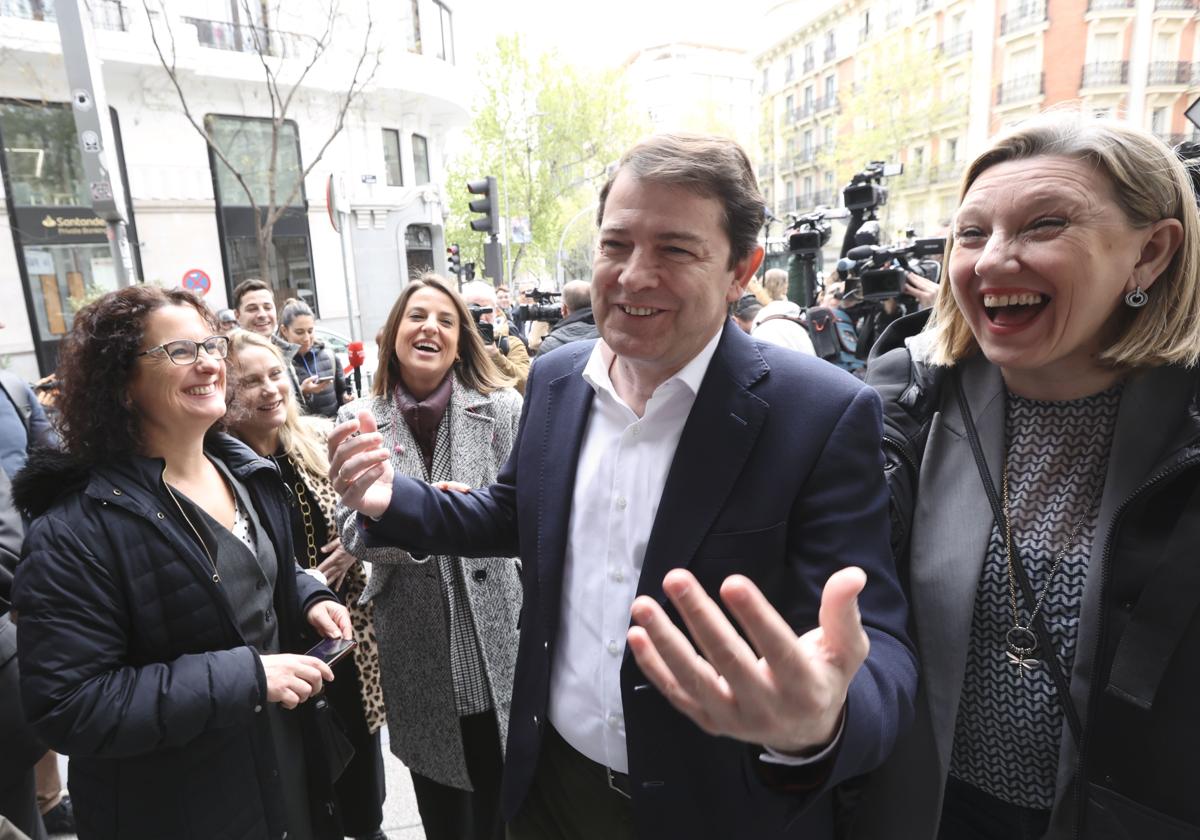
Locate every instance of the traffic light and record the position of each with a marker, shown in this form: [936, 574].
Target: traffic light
[469, 271]
[488, 205]
[453, 261]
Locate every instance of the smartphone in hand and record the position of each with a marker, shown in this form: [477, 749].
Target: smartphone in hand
[331, 651]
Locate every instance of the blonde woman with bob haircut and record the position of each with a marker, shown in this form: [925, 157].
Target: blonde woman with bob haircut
[1041, 440]
[264, 413]
[447, 625]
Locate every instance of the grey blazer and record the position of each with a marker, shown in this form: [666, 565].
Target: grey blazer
[414, 646]
[902, 800]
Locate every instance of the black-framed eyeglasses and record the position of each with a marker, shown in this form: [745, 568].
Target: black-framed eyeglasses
[184, 351]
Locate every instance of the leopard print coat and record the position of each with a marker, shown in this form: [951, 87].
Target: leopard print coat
[366, 655]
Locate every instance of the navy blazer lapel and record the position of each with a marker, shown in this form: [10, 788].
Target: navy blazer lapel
[568, 403]
[717, 439]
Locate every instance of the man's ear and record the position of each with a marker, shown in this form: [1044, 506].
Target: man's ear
[743, 270]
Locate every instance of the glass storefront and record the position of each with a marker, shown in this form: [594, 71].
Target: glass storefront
[246, 143]
[62, 246]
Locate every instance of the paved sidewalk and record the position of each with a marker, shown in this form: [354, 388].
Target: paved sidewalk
[400, 818]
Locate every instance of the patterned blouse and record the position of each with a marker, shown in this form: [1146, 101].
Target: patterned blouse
[1009, 722]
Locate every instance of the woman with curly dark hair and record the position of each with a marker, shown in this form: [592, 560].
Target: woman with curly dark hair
[161, 609]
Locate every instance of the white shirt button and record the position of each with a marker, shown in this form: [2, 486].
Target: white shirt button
[613, 647]
[614, 721]
[621, 503]
[637, 430]
[616, 575]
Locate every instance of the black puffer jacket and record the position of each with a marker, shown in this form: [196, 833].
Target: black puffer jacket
[132, 663]
[1135, 772]
[580, 325]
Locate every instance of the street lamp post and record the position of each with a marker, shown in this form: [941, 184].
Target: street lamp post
[558, 268]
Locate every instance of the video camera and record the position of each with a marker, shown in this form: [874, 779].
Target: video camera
[876, 272]
[866, 191]
[808, 234]
[546, 309]
[486, 331]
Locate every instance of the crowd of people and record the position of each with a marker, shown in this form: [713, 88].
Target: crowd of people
[677, 576]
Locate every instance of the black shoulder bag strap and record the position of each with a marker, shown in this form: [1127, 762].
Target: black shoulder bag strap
[1039, 627]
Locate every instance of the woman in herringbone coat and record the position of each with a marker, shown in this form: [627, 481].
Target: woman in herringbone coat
[447, 626]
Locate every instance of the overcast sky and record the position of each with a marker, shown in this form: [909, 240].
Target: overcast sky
[605, 33]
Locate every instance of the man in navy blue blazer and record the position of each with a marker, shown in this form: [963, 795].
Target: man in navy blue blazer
[673, 462]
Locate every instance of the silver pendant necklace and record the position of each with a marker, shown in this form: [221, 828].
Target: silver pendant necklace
[1020, 642]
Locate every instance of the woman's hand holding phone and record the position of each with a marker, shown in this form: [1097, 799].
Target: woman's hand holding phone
[292, 678]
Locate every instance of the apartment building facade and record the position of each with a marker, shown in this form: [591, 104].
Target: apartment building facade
[978, 66]
[191, 222]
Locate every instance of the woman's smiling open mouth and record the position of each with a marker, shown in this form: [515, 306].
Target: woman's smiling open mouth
[1008, 308]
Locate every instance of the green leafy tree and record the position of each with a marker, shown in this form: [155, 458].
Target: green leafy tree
[894, 105]
[547, 130]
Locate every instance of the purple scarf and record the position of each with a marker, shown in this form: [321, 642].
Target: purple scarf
[425, 416]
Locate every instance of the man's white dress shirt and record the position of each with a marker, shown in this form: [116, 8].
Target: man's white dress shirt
[623, 465]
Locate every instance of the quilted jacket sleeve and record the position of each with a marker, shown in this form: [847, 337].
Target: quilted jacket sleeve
[80, 692]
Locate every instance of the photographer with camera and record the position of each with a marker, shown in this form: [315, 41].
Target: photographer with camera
[578, 323]
[507, 351]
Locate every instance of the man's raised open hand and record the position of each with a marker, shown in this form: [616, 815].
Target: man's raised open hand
[360, 466]
[789, 695]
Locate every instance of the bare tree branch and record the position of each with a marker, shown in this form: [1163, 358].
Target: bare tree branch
[173, 75]
[321, 46]
[352, 91]
[279, 103]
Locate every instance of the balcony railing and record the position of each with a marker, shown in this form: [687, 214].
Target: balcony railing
[956, 45]
[1179, 5]
[1109, 5]
[1171, 73]
[1021, 88]
[807, 156]
[766, 170]
[106, 14]
[830, 52]
[825, 198]
[955, 105]
[237, 37]
[948, 170]
[892, 19]
[923, 6]
[826, 103]
[1105, 74]
[810, 64]
[1023, 16]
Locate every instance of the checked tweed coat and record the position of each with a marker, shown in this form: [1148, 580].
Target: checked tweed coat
[412, 619]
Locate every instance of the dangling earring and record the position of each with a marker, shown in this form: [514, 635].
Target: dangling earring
[1137, 298]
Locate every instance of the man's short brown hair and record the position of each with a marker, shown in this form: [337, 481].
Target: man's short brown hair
[244, 288]
[709, 166]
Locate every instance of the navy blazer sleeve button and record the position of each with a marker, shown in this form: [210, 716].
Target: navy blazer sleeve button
[257, 709]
